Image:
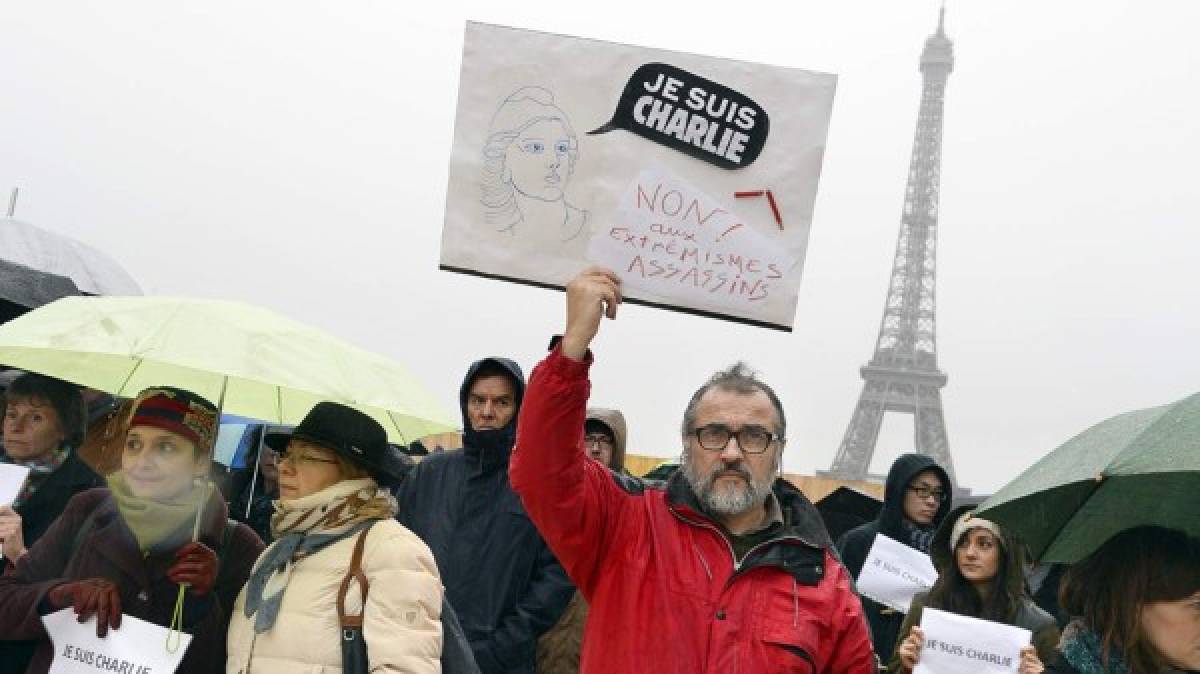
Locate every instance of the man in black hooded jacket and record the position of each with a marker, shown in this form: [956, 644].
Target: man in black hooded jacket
[916, 499]
[501, 578]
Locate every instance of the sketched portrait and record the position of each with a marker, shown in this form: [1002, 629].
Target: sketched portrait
[528, 161]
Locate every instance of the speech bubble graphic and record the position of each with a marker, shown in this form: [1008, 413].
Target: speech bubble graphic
[691, 114]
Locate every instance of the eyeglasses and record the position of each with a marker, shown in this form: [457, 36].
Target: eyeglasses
[923, 492]
[299, 458]
[752, 439]
[601, 441]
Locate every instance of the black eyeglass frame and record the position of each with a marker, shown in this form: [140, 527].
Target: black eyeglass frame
[729, 434]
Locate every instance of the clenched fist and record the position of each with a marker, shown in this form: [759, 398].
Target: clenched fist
[594, 293]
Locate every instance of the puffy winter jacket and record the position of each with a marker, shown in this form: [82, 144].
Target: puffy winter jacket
[665, 592]
[401, 621]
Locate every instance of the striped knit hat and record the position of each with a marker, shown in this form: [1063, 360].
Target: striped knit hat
[178, 411]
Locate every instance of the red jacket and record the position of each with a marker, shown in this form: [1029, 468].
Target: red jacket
[665, 592]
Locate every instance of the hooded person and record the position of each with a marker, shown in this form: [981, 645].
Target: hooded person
[335, 471]
[916, 500]
[127, 549]
[501, 579]
[604, 435]
[981, 574]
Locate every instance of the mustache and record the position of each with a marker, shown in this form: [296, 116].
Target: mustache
[738, 467]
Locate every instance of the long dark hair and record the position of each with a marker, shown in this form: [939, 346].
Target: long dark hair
[1109, 588]
[956, 594]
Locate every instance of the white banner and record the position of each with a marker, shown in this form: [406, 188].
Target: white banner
[955, 644]
[561, 142]
[894, 573]
[138, 647]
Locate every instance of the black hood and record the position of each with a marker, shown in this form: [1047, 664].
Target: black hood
[494, 446]
[903, 470]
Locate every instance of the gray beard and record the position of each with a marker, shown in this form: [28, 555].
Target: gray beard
[728, 499]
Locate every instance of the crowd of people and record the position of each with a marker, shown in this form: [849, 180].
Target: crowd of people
[531, 549]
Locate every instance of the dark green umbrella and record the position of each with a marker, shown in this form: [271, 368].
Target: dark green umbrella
[1138, 468]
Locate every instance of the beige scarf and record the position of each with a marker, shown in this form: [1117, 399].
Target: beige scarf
[304, 526]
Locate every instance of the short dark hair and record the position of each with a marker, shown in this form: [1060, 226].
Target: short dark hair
[738, 378]
[1109, 588]
[64, 397]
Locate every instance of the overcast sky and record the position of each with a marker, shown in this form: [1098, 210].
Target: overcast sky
[294, 155]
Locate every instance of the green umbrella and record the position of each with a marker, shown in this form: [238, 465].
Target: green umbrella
[1138, 468]
[251, 361]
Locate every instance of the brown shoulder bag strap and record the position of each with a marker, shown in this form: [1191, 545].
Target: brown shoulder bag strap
[354, 573]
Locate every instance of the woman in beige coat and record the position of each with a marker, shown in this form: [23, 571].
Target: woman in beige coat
[333, 473]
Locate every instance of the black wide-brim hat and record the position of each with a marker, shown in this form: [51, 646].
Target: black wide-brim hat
[350, 434]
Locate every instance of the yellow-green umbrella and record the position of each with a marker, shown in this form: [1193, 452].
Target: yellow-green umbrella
[254, 362]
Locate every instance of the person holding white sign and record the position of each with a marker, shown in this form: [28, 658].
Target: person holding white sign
[127, 549]
[981, 575]
[725, 567]
[916, 498]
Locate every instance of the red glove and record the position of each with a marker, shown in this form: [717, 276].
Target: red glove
[195, 565]
[94, 595]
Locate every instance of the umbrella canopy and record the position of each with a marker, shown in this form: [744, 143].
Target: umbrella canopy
[845, 508]
[1138, 468]
[90, 270]
[260, 364]
[23, 288]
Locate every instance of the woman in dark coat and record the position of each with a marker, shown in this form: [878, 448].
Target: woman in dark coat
[981, 574]
[43, 426]
[1136, 602]
[44, 421]
[126, 550]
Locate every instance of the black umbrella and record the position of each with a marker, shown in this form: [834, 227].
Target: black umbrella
[845, 508]
[23, 288]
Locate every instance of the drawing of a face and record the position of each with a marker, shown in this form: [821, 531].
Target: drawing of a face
[537, 163]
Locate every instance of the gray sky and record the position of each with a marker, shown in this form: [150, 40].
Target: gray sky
[294, 155]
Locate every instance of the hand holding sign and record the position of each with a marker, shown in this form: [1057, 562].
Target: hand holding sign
[594, 292]
[138, 648]
[692, 114]
[955, 643]
[97, 596]
[12, 478]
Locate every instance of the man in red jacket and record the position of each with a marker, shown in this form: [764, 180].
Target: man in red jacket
[722, 568]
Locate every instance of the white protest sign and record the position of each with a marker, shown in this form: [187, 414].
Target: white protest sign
[955, 643]
[554, 135]
[678, 245]
[893, 573]
[138, 647]
[11, 478]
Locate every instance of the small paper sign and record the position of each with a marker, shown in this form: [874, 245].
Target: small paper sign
[956, 643]
[12, 477]
[894, 573]
[138, 647]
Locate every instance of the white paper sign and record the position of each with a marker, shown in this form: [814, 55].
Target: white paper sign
[893, 573]
[670, 240]
[955, 644]
[138, 647]
[554, 135]
[11, 478]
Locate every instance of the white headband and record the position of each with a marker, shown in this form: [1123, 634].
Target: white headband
[967, 522]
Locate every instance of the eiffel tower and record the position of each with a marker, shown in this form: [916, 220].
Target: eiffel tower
[903, 375]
